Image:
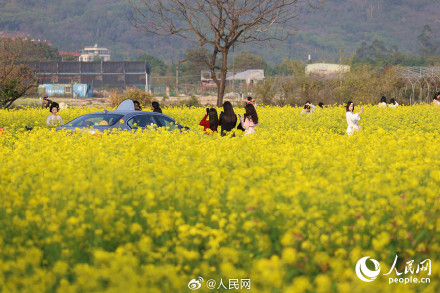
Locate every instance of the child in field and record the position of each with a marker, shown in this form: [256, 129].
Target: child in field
[54, 118]
[352, 118]
[212, 123]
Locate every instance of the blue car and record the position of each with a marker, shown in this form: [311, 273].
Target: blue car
[123, 118]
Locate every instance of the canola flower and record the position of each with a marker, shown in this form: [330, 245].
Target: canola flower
[292, 207]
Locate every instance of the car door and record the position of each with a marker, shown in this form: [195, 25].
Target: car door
[167, 122]
[142, 121]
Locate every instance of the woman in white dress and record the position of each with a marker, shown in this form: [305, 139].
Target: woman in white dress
[352, 118]
[383, 102]
[54, 118]
[436, 100]
[393, 103]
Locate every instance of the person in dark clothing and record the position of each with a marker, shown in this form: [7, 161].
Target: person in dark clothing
[137, 106]
[228, 118]
[155, 107]
[46, 102]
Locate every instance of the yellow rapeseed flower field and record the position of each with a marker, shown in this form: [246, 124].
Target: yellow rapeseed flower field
[292, 208]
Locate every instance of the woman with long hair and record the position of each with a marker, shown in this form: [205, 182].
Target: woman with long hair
[155, 107]
[250, 119]
[383, 102]
[137, 106]
[352, 118]
[212, 123]
[228, 118]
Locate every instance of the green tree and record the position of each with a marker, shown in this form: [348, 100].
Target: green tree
[246, 61]
[157, 66]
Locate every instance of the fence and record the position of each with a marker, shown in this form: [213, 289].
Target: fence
[101, 74]
[419, 82]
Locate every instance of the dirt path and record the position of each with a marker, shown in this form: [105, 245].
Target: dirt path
[105, 101]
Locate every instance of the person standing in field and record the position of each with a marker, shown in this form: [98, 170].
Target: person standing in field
[352, 118]
[155, 107]
[436, 100]
[383, 102]
[54, 118]
[308, 108]
[212, 123]
[137, 106]
[46, 103]
[393, 103]
[250, 101]
[228, 118]
[250, 120]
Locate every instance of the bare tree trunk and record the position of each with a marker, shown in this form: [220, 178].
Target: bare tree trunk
[222, 86]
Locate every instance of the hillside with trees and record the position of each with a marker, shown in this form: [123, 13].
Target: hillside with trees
[335, 28]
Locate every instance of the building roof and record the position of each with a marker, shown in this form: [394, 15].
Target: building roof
[69, 53]
[253, 74]
[44, 42]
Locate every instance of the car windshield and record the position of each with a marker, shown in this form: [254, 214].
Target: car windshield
[95, 120]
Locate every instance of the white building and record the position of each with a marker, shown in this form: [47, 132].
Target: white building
[90, 53]
[249, 76]
[326, 68]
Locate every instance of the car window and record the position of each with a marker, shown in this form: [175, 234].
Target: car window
[95, 120]
[167, 122]
[141, 121]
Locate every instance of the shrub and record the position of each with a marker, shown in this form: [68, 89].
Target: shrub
[134, 94]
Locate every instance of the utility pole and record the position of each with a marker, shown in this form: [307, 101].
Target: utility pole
[233, 70]
[177, 78]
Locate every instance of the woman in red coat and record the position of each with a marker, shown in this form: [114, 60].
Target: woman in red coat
[212, 123]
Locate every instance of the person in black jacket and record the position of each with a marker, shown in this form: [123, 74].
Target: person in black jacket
[155, 107]
[46, 102]
[228, 118]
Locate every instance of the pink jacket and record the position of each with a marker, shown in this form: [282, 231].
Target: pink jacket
[248, 124]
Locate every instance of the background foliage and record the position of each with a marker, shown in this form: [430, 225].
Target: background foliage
[338, 26]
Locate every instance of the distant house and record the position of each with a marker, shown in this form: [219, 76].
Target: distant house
[65, 55]
[249, 76]
[326, 69]
[42, 42]
[90, 53]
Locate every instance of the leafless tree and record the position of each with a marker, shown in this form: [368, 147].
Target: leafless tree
[16, 77]
[217, 25]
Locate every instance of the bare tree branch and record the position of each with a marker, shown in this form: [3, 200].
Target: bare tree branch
[217, 24]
